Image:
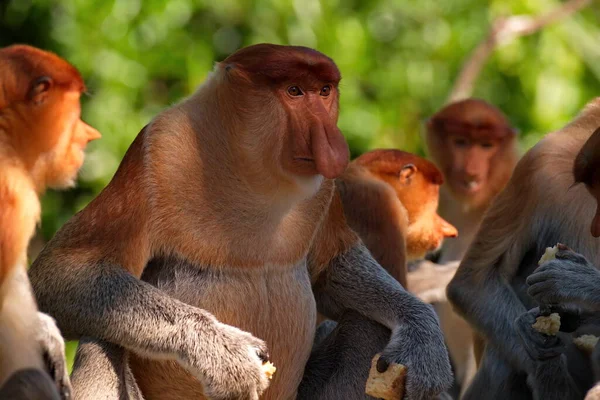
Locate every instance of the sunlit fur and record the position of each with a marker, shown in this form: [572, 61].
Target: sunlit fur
[41, 144]
[390, 198]
[586, 170]
[214, 182]
[539, 207]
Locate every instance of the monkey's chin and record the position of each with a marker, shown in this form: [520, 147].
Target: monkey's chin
[308, 186]
[64, 181]
[67, 183]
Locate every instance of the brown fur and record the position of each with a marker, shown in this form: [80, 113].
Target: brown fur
[246, 202]
[545, 168]
[585, 170]
[539, 207]
[390, 199]
[477, 122]
[41, 144]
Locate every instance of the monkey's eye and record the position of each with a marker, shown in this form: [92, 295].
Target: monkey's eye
[294, 91]
[325, 91]
[487, 145]
[460, 142]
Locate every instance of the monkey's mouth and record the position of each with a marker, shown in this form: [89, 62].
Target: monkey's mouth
[470, 186]
[305, 159]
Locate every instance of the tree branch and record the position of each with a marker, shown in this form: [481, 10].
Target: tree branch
[504, 30]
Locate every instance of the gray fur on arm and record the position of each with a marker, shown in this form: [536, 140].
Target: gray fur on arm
[355, 281]
[108, 303]
[493, 314]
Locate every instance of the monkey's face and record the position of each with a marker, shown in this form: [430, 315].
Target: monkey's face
[66, 156]
[313, 144]
[420, 197]
[470, 166]
[288, 98]
[426, 229]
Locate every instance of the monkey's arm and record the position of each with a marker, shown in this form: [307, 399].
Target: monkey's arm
[491, 310]
[104, 301]
[373, 210]
[551, 378]
[568, 279]
[352, 280]
[480, 290]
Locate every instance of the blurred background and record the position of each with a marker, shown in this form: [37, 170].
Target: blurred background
[399, 60]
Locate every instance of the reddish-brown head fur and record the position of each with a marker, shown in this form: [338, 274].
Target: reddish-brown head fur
[22, 64]
[465, 139]
[586, 169]
[274, 64]
[297, 88]
[474, 119]
[416, 182]
[39, 114]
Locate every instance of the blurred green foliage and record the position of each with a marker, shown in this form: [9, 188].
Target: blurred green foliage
[399, 60]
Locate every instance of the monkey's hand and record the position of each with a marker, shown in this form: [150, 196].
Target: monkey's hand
[419, 345]
[568, 279]
[539, 346]
[53, 348]
[227, 360]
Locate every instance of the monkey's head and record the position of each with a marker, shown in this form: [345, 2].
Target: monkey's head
[473, 144]
[40, 109]
[285, 102]
[416, 182]
[586, 170]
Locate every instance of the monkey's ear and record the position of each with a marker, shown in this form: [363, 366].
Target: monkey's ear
[234, 72]
[39, 89]
[406, 173]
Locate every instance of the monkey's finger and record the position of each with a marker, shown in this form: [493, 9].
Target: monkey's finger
[263, 353]
[539, 277]
[572, 256]
[382, 365]
[563, 247]
[542, 292]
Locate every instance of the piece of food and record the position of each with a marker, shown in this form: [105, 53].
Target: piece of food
[549, 254]
[586, 342]
[548, 325]
[269, 369]
[388, 385]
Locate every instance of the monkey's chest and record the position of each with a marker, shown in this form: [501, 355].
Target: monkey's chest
[275, 304]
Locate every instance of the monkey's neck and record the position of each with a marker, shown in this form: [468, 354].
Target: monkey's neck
[465, 219]
[206, 207]
[17, 189]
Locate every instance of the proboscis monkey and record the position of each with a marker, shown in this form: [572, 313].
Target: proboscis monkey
[570, 280]
[390, 199]
[217, 239]
[539, 207]
[474, 145]
[42, 140]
